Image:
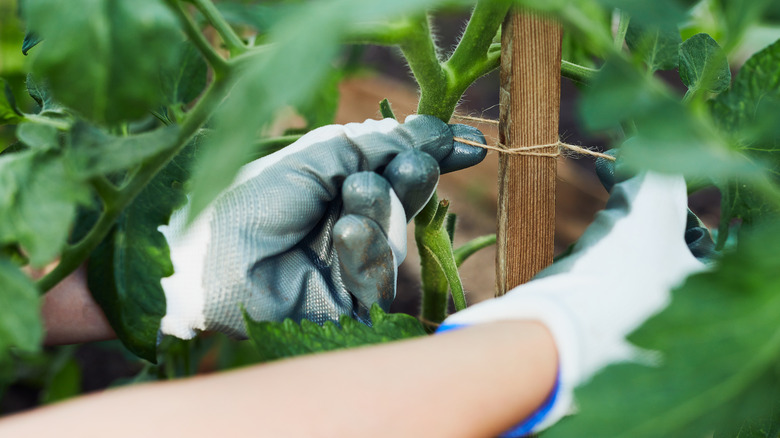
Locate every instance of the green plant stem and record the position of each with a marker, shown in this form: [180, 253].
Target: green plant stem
[382, 34]
[469, 248]
[440, 216]
[434, 285]
[437, 262]
[473, 50]
[442, 253]
[620, 36]
[441, 87]
[577, 73]
[229, 36]
[433, 308]
[386, 110]
[569, 70]
[689, 95]
[14, 253]
[270, 145]
[105, 188]
[58, 124]
[74, 255]
[628, 127]
[217, 63]
[422, 55]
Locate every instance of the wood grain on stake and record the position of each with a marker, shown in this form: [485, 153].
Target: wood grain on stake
[530, 106]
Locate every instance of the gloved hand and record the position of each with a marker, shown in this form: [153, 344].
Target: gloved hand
[619, 273]
[312, 231]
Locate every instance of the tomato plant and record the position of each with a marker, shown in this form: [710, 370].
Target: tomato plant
[132, 106]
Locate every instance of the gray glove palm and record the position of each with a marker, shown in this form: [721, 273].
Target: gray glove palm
[310, 232]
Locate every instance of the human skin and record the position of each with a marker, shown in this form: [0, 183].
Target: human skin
[473, 382]
[71, 315]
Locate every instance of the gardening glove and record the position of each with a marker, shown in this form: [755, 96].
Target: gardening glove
[619, 273]
[312, 231]
[697, 235]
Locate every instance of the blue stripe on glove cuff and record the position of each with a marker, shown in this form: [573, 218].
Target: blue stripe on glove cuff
[527, 426]
[449, 327]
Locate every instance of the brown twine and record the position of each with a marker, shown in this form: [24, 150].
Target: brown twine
[475, 119]
[528, 150]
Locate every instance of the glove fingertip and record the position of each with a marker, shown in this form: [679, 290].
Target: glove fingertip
[464, 155]
[605, 170]
[366, 260]
[429, 134]
[368, 194]
[413, 175]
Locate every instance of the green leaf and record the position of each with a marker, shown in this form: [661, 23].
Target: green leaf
[762, 427]
[103, 57]
[320, 108]
[277, 340]
[64, 382]
[31, 39]
[38, 199]
[93, 152]
[39, 91]
[11, 35]
[655, 13]
[703, 65]
[587, 20]
[9, 113]
[658, 46]
[20, 321]
[187, 77]
[772, 12]
[37, 136]
[258, 16]
[618, 92]
[741, 200]
[717, 347]
[736, 16]
[747, 112]
[126, 268]
[670, 137]
[738, 109]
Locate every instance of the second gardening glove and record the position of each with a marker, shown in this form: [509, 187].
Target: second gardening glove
[620, 272]
[312, 231]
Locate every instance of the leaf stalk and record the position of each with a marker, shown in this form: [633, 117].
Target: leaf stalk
[215, 18]
[74, 255]
[217, 63]
[577, 73]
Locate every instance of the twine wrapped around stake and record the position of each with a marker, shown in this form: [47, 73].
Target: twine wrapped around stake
[531, 150]
[528, 150]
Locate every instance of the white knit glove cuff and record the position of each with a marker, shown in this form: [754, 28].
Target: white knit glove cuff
[619, 274]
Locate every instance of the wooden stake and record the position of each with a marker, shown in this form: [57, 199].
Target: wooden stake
[530, 106]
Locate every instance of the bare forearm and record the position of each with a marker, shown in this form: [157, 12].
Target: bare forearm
[477, 381]
[70, 315]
